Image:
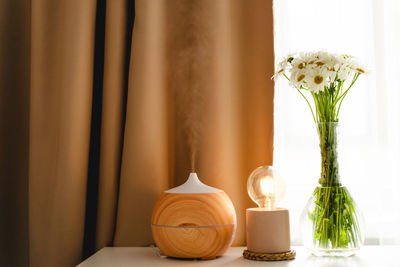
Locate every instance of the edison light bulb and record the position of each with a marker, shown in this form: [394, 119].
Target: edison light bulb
[266, 187]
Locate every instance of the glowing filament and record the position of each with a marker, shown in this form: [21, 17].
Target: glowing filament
[267, 189]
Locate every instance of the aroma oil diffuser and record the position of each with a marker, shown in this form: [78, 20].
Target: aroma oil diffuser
[267, 227]
[193, 221]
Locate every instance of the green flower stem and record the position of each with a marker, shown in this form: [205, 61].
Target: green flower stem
[307, 103]
[345, 93]
[335, 223]
[305, 98]
[329, 155]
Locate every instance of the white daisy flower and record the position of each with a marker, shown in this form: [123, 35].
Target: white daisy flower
[357, 67]
[332, 75]
[317, 79]
[278, 73]
[344, 73]
[329, 61]
[286, 61]
[299, 64]
[298, 79]
[361, 69]
[283, 65]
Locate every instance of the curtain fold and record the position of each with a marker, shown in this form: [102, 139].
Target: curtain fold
[14, 131]
[118, 37]
[146, 134]
[116, 96]
[62, 54]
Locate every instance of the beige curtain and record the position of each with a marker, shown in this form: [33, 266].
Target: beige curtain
[95, 125]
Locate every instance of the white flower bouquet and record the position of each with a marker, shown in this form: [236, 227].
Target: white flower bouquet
[335, 227]
[324, 75]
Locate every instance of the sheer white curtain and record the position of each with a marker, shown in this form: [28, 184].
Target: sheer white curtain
[370, 115]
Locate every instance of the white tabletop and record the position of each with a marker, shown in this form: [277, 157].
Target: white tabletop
[374, 256]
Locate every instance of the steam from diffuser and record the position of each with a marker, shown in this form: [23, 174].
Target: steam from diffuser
[190, 53]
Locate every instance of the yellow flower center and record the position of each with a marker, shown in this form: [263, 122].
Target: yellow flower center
[301, 65]
[319, 63]
[360, 70]
[318, 79]
[301, 77]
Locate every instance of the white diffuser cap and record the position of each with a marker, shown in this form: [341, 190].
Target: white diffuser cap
[193, 186]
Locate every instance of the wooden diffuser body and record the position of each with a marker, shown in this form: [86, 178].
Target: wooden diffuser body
[193, 221]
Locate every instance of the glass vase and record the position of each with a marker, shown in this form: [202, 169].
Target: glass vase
[331, 223]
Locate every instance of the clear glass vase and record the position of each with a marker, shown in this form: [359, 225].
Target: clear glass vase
[331, 223]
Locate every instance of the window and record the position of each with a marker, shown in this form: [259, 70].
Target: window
[370, 117]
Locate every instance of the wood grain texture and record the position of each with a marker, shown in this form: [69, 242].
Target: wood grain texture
[193, 225]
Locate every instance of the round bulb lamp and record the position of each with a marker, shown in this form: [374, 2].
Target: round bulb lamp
[193, 221]
[266, 187]
[267, 226]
